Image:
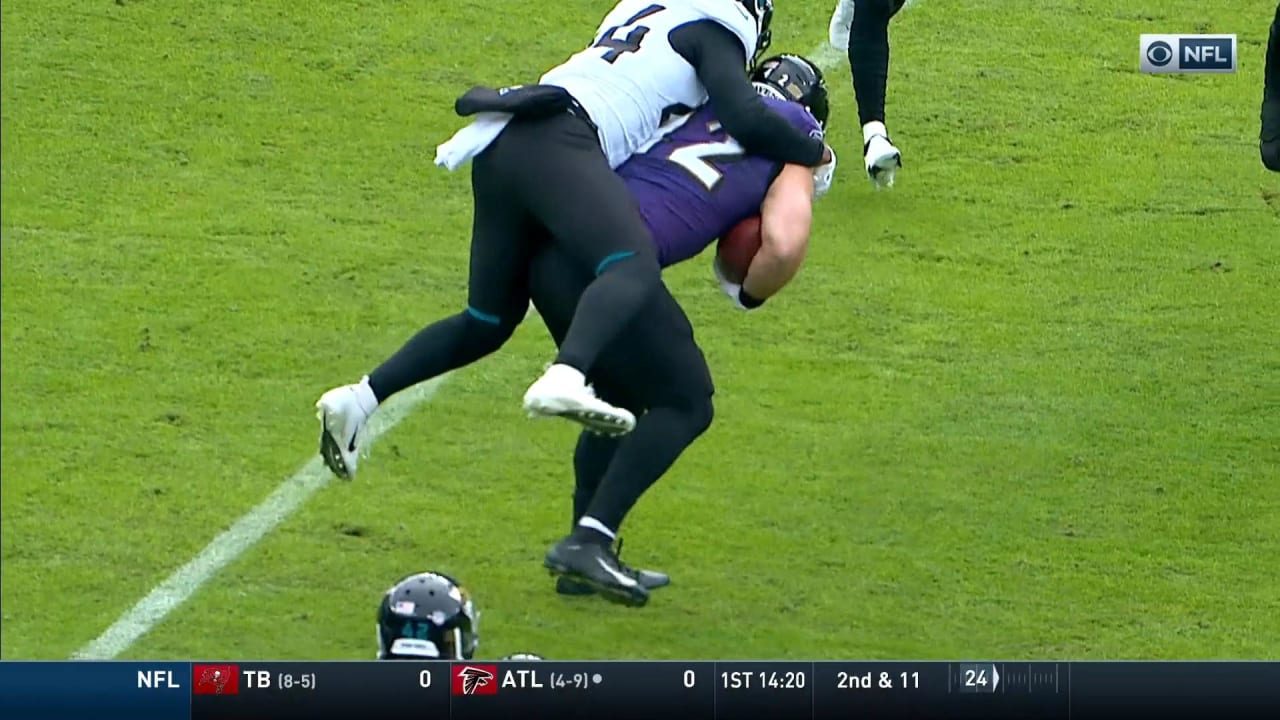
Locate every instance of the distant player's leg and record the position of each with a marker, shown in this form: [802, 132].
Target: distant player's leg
[1269, 140]
[497, 301]
[659, 362]
[588, 210]
[838, 28]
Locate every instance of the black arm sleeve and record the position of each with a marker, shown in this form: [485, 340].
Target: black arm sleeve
[869, 55]
[719, 59]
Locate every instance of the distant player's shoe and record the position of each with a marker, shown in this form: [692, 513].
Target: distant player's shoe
[596, 566]
[648, 579]
[882, 158]
[343, 412]
[841, 21]
[562, 392]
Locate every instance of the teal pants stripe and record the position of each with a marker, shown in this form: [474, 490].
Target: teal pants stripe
[483, 317]
[611, 259]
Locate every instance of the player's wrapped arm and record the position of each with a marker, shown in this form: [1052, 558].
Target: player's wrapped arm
[868, 47]
[785, 219]
[1269, 140]
[719, 59]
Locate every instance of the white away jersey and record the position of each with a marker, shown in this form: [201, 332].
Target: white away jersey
[631, 75]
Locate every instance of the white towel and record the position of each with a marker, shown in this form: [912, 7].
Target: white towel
[471, 140]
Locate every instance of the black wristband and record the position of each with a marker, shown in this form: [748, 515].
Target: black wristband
[747, 301]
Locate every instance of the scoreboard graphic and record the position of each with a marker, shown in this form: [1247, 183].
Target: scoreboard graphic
[636, 690]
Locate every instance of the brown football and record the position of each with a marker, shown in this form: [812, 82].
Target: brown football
[738, 247]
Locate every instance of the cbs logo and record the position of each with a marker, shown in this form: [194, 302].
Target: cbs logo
[1159, 53]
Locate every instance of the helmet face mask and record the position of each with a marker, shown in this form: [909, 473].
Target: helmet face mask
[427, 616]
[795, 79]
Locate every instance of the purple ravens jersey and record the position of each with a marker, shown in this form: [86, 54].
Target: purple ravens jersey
[696, 183]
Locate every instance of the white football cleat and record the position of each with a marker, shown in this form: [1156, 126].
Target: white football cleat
[883, 161]
[343, 412]
[841, 21]
[562, 392]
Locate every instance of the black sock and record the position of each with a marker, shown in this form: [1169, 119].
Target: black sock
[605, 308]
[643, 456]
[442, 346]
[591, 459]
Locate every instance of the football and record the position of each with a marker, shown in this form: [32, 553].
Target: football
[738, 247]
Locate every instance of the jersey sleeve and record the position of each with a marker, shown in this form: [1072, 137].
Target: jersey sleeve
[735, 18]
[797, 115]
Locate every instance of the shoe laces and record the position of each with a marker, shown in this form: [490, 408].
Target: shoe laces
[616, 552]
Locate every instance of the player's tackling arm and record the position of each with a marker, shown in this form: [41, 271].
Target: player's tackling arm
[785, 218]
[718, 57]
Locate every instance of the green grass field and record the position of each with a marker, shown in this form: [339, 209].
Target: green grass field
[1026, 405]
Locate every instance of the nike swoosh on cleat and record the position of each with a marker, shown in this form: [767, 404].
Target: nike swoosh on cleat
[618, 577]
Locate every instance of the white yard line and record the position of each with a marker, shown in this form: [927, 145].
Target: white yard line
[242, 535]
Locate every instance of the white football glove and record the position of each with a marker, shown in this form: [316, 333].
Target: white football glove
[732, 289]
[882, 159]
[823, 175]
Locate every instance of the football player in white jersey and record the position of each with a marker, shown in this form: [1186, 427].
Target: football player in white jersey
[543, 166]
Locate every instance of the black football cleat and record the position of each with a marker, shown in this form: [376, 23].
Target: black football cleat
[596, 566]
[649, 579]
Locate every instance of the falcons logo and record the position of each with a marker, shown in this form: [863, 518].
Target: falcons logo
[474, 678]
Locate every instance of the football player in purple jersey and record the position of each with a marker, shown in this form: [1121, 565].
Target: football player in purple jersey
[693, 185]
